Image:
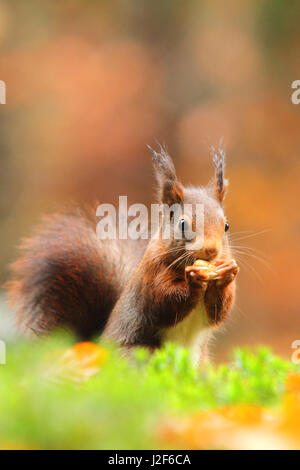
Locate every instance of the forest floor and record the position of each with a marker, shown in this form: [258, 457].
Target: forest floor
[57, 395]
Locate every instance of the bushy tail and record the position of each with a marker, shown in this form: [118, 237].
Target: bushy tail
[65, 277]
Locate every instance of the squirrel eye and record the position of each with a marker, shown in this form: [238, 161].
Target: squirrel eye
[226, 226]
[183, 225]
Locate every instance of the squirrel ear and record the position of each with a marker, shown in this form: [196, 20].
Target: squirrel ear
[170, 189]
[220, 184]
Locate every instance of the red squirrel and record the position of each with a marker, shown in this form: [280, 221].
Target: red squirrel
[135, 292]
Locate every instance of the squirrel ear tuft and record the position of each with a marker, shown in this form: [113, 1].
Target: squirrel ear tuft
[220, 184]
[170, 189]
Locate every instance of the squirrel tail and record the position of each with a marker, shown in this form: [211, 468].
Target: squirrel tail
[66, 277]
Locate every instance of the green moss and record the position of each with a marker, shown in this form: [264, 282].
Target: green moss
[121, 406]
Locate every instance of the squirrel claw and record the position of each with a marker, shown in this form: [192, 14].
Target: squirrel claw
[226, 271]
[196, 275]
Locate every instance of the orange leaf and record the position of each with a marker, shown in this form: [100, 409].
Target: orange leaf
[79, 363]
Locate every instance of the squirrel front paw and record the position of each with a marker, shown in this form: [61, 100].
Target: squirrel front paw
[226, 271]
[197, 275]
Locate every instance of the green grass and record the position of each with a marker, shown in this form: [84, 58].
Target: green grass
[122, 406]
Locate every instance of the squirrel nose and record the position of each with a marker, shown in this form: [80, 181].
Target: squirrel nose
[210, 252]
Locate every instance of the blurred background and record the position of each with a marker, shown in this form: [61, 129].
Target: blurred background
[91, 82]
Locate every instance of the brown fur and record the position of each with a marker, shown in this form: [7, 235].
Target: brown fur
[66, 277]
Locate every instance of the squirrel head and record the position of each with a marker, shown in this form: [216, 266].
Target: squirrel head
[190, 238]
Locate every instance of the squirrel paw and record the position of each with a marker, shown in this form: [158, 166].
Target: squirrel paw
[226, 271]
[196, 275]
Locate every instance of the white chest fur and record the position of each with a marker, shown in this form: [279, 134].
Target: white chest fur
[191, 333]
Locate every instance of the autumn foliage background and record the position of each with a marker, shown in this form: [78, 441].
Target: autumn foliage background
[90, 83]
